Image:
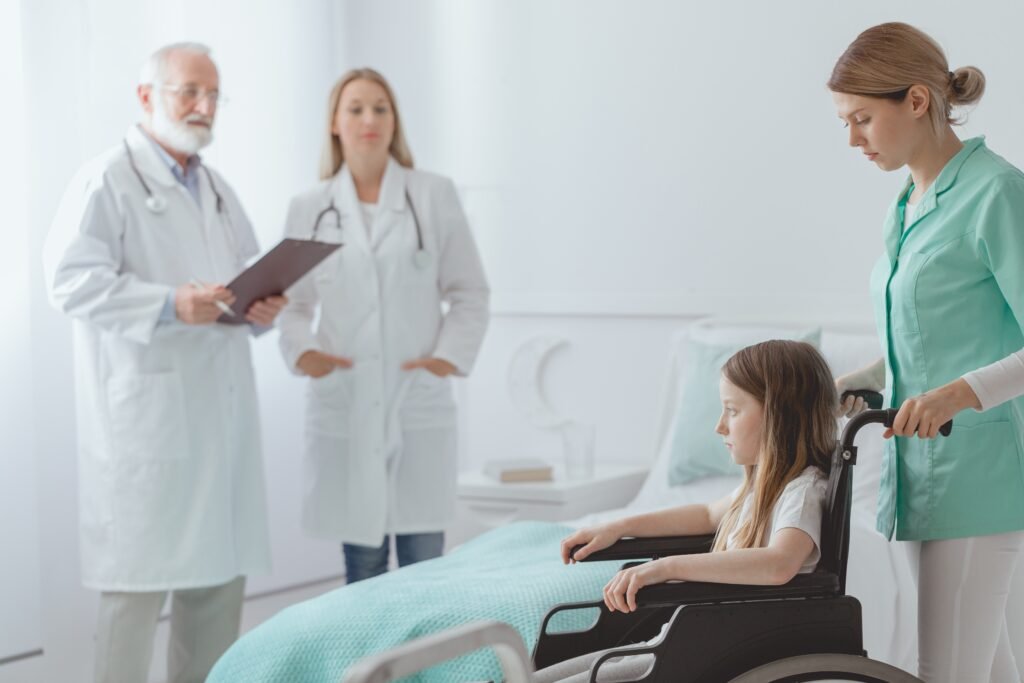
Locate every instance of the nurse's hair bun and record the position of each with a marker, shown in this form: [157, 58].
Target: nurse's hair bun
[966, 85]
[888, 59]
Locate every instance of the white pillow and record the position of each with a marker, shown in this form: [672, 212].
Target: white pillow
[709, 330]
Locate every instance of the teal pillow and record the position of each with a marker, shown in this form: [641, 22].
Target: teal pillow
[696, 450]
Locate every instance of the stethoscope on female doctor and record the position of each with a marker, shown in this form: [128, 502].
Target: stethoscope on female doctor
[157, 204]
[421, 259]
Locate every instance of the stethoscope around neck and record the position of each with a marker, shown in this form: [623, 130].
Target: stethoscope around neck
[421, 259]
[158, 203]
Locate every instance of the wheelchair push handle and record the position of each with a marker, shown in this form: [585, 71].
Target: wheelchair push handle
[872, 399]
[885, 417]
[890, 417]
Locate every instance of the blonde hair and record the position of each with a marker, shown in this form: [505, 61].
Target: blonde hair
[795, 388]
[886, 60]
[332, 155]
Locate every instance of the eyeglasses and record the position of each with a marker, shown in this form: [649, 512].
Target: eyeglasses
[189, 94]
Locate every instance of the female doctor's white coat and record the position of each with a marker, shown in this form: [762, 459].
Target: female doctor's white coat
[381, 441]
[170, 469]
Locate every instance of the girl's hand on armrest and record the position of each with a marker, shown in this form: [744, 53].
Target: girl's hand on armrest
[620, 592]
[592, 540]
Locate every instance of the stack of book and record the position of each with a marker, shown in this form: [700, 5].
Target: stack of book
[519, 470]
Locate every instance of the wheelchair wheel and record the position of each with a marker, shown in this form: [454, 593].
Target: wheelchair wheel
[826, 667]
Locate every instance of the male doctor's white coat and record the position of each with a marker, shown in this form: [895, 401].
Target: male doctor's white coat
[381, 451]
[170, 467]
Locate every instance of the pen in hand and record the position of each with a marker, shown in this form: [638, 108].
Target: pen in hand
[217, 302]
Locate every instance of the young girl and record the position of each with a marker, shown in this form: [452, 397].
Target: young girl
[777, 421]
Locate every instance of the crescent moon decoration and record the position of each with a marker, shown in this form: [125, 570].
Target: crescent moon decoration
[525, 374]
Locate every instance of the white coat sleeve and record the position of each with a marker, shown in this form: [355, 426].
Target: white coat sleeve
[999, 382]
[82, 262]
[463, 285]
[295, 321]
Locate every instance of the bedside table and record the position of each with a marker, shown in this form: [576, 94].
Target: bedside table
[484, 503]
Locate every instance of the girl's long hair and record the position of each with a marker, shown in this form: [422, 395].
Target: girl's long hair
[795, 388]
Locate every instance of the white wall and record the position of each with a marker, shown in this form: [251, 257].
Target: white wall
[626, 167]
[663, 156]
[19, 531]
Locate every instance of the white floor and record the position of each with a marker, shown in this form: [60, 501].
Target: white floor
[255, 611]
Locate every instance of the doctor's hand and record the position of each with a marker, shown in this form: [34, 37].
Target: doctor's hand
[197, 306]
[592, 539]
[264, 311]
[318, 364]
[924, 414]
[871, 377]
[435, 366]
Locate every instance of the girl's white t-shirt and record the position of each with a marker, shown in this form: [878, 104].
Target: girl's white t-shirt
[801, 506]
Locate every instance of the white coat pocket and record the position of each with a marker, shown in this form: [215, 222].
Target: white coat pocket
[148, 420]
[329, 403]
[429, 403]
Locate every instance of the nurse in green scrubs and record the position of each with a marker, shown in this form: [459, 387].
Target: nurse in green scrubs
[948, 293]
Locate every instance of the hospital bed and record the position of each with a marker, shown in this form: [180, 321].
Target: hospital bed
[514, 575]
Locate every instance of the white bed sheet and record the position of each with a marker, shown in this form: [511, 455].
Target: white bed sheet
[878, 572]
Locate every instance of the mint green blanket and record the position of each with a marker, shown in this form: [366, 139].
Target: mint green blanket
[513, 574]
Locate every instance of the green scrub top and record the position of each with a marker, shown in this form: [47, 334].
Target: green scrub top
[948, 295]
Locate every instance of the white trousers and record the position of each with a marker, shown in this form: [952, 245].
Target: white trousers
[204, 623]
[963, 586]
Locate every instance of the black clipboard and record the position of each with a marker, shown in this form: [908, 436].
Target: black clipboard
[276, 271]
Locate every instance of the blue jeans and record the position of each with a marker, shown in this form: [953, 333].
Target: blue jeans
[364, 562]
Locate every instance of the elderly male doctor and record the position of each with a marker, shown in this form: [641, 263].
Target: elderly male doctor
[171, 482]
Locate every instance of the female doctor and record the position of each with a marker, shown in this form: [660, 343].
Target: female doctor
[949, 302]
[380, 417]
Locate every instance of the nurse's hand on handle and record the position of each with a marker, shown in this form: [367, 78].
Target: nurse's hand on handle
[196, 306]
[318, 364]
[436, 366]
[264, 311]
[871, 377]
[924, 414]
[592, 539]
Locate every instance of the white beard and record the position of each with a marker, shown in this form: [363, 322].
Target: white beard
[180, 135]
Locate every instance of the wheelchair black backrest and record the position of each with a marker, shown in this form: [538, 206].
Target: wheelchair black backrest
[835, 526]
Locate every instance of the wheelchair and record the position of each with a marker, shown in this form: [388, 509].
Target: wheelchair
[808, 629]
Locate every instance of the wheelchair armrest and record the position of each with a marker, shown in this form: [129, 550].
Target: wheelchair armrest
[654, 547]
[814, 585]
